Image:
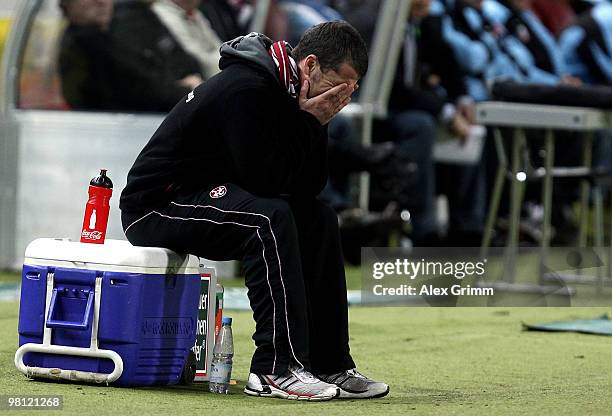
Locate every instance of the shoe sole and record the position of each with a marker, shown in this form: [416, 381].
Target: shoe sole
[280, 394]
[365, 395]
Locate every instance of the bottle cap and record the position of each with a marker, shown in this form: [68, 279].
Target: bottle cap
[102, 180]
[226, 320]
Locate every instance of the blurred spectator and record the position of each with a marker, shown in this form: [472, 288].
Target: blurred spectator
[418, 91]
[389, 171]
[587, 45]
[362, 14]
[413, 131]
[485, 49]
[303, 14]
[192, 31]
[427, 73]
[556, 15]
[276, 24]
[85, 55]
[434, 54]
[146, 49]
[127, 62]
[223, 19]
[419, 101]
[469, 53]
[523, 24]
[587, 49]
[438, 70]
[346, 155]
[276, 21]
[435, 72]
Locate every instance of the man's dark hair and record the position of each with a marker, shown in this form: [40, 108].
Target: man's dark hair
[334, 43]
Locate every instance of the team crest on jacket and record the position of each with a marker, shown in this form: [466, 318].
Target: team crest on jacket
[218, 192]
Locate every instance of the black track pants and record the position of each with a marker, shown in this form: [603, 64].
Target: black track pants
[292, 261]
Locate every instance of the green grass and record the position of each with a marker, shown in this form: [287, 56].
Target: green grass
[9, 277]
[463, 361]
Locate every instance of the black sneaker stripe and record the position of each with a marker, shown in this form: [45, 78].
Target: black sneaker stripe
[290, 384]
[275, 383]
[340, 383]
[265, 390]
[291, 380]
[286, 379]
[353, 391]
[334, 379]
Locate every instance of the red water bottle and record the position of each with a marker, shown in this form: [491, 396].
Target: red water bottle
[96, 210]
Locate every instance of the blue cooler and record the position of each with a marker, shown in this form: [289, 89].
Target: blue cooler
[106, 313]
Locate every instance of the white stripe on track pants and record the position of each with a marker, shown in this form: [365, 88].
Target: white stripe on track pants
[294, 272]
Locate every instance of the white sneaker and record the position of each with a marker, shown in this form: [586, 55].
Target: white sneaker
[354, 385]
[295, 384]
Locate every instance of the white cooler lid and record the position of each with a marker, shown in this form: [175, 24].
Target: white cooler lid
[113, 255]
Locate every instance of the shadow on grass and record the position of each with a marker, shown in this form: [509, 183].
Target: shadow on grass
[413, 396]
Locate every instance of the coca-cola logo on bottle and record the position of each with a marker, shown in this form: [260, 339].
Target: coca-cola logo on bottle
[92, 235]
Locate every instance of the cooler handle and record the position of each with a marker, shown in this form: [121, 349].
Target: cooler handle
[56, 323]
[73, 375]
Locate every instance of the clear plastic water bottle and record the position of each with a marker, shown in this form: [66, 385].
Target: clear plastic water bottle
[223, 354]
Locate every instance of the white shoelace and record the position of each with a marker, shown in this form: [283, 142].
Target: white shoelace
[353, 372]
[303, 375]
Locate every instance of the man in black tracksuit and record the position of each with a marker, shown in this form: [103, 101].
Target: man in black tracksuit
[233, 173]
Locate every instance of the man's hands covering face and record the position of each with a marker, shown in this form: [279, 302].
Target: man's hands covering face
[325, 106]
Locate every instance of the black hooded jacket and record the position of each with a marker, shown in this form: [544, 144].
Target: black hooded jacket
[240, 126]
